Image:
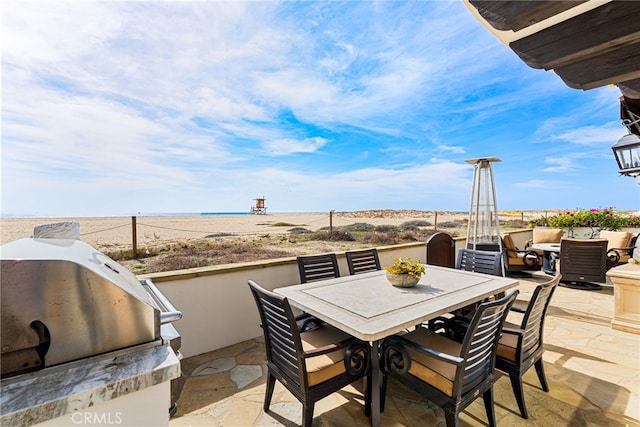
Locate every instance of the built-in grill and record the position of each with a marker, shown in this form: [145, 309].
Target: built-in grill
[62, 300]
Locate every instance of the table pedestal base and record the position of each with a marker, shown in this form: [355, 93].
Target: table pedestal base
[585, 286]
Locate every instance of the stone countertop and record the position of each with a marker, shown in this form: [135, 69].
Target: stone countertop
[53, 392]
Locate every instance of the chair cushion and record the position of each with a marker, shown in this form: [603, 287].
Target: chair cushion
[517, 260]
[547, 235]
[508, 344]
[616, 239]
[326, 366]
[509, 246]
[624, 258]
[432, 371]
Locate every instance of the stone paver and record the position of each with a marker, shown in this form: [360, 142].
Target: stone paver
[244, 375]
[215, 366]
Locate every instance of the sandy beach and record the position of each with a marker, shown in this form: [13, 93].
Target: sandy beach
[116, 232]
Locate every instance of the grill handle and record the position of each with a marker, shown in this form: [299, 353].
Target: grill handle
[168, 313]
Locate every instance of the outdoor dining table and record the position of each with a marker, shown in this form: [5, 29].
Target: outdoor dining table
[368, 307]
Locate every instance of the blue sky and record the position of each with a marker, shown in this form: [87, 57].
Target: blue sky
[119, 108]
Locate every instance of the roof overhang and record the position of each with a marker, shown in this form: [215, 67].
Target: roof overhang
[588, 43]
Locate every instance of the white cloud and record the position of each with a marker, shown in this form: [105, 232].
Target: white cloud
[289, 146]
[605, 135]
[453, 149]
[534, 183]
[560, 165]
[46, 33]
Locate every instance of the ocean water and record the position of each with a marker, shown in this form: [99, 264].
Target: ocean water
[193, 213]
[225, 213]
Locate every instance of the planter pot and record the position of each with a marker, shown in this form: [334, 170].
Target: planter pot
[591, 233]
[581, 233]
[402, 280]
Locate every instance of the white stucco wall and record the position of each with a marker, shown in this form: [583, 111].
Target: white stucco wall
[218, 309]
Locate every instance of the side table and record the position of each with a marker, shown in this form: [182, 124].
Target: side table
[547, 249]
[626, 295]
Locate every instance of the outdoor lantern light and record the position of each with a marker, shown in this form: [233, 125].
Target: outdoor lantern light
[627, 152]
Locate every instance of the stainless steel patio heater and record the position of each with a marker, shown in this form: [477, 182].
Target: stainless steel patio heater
[483, 230]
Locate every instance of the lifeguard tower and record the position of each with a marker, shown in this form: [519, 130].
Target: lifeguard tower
[259, 207]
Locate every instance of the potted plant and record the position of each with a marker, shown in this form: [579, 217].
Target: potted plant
[404, 273]
[588, 223]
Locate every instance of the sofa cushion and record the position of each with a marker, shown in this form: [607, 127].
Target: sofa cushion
[547, 235]
[617, 239]
[509, 246]
[523, 259]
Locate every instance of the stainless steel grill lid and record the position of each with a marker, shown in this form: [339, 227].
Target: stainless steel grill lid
[63, 300]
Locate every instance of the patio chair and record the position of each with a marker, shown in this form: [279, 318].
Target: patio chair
[620, 246]
[517, 261]
[317, 267]
[363, 261]
[441, 250]
[487, 262]
[311, 365]
[450, 374]
[582, 261]
[521, 347]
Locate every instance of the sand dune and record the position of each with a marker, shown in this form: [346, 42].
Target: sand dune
[116, 232]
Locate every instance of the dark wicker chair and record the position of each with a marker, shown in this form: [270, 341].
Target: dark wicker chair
[583, 261]
[318, 267]
[311, 365]
[450, 374]
[521, 347]
[363, 261]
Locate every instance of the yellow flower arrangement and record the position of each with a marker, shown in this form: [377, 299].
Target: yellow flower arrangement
[406, 266]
